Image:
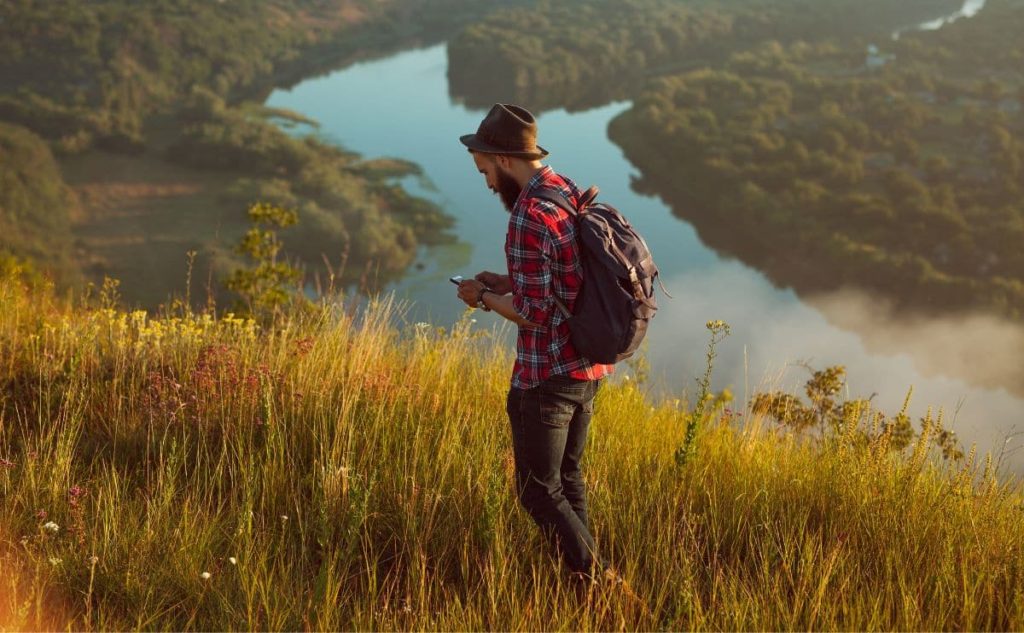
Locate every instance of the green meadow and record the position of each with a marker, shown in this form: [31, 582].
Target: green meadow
[334, 470]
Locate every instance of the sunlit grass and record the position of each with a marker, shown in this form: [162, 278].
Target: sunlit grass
[334, 472]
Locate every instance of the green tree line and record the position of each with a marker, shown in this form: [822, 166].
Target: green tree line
[906, 178]
[584, 53]
[35, 205]
[86, 72]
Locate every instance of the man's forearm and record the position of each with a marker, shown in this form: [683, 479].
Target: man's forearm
[502, 304]
[505, 286]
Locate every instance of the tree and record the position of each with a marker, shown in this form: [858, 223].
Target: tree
[264, 286]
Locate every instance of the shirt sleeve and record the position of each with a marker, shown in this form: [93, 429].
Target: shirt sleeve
[529, 264]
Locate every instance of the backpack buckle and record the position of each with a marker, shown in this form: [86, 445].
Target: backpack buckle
[638, 290]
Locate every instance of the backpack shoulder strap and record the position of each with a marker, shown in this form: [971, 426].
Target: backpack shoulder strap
[559, 201]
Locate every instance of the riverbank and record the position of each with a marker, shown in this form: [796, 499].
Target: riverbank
[129, 123]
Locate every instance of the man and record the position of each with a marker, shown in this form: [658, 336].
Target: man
[551, 399]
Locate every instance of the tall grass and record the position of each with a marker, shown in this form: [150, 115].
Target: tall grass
[334, 472]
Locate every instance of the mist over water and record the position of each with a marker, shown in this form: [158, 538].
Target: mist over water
[970, 8]
[982, 349]
[958, 364]
[966, 365]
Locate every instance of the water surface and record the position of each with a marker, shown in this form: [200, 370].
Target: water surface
[400, 107]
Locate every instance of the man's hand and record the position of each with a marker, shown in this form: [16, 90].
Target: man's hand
[500, 284]
[469, 291]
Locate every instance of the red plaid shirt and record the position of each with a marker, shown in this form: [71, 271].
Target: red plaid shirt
[543, 261]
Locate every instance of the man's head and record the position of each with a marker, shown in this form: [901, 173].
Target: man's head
[498, 175]
[505, 150]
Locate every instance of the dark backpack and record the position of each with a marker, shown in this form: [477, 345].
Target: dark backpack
[616, 300]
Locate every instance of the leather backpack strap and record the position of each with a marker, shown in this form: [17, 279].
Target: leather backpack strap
[561, 306]
[586, 198]
[560, 202]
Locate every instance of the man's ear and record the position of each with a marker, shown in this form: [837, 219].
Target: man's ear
[503, 161]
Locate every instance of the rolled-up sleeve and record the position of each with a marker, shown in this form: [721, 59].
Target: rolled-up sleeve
[529, 251]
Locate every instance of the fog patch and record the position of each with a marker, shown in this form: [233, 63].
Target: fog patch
[980, 349]
[962, 365]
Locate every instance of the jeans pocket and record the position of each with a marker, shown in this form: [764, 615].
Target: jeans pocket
[555, 410]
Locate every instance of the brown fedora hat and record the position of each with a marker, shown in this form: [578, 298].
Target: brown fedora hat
[509, 130]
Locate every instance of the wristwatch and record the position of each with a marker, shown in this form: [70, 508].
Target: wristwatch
[480, 299]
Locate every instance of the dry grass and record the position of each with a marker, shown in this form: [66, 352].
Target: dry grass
[360, 477]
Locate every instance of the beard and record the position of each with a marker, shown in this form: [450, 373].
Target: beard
[507, 189]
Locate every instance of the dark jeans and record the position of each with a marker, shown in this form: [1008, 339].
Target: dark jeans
[549, 433]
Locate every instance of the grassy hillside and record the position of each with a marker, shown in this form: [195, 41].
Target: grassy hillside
[333, 472]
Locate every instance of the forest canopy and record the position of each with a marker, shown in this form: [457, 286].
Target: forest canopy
[583, 53]
[905, 176]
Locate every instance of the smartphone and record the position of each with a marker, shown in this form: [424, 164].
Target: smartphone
[457, 279]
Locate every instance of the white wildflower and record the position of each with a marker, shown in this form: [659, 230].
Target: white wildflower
[93, 560]
[51, 527]
[56, 561]
[205, 575]
[284, 518]
[232, 560]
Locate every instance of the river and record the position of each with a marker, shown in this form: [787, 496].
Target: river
[400, 107]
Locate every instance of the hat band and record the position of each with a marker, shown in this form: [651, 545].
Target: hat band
[504, 142]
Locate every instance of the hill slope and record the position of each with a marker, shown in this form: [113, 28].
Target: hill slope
[334, 473]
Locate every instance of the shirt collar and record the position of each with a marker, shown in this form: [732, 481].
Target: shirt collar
[542, 174]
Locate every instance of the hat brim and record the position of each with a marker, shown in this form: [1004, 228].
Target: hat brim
[472, 142]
